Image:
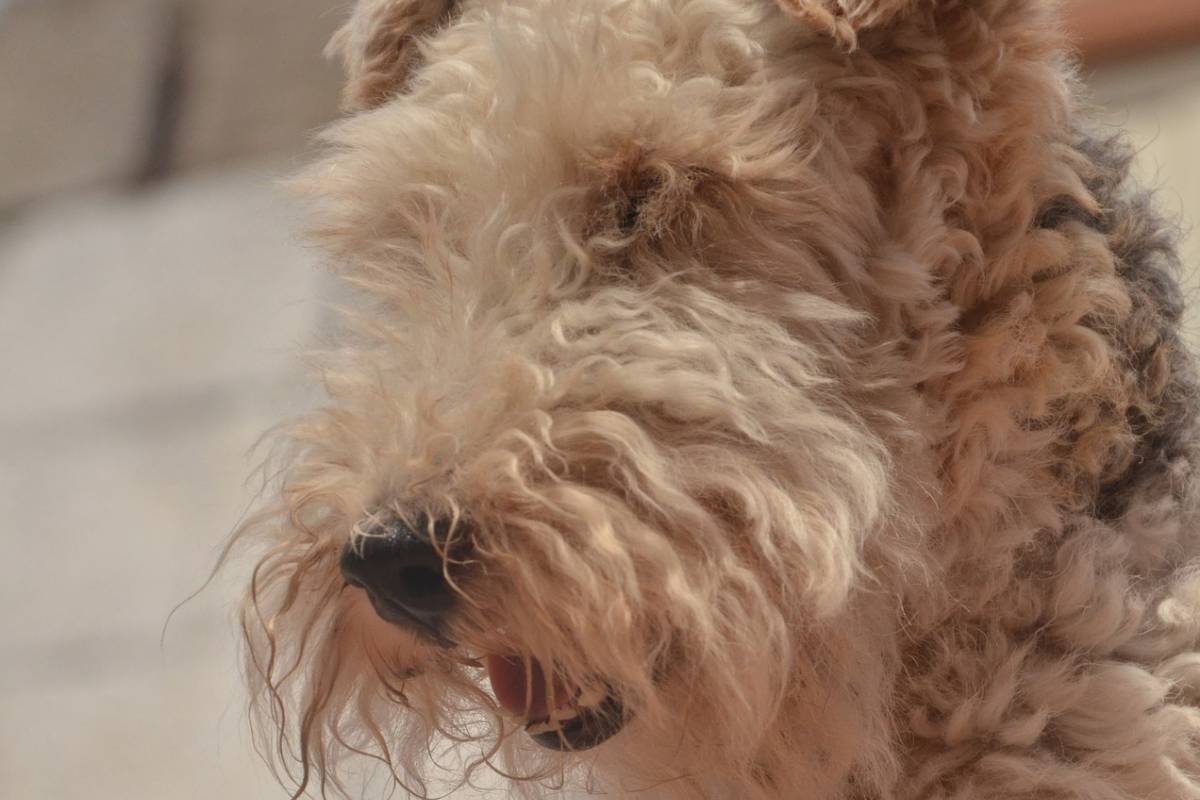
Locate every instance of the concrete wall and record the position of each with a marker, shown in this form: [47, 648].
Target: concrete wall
[119, 92]
[78, 85]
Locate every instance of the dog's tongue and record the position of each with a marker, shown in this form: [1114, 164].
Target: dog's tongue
[522, 692]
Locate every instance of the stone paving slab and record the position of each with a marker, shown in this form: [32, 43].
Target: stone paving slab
[77, 87]
[136, 722]
[112, 520]
[148, 341]
[108, 298]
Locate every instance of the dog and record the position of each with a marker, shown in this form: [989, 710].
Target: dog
[747, 399]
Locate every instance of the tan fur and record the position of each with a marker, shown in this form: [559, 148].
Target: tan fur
[843, 19]
[826, 403]
[381, 45]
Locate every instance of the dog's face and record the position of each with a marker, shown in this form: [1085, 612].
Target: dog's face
[601, 480]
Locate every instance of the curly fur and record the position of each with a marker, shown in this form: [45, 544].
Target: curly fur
[806, 373]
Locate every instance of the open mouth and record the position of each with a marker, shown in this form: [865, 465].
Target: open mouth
[558, 716]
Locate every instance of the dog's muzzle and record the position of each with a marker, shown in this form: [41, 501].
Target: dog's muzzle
[405, 575]
[408, 572]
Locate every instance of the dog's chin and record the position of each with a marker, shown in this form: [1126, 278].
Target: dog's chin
[557, 717]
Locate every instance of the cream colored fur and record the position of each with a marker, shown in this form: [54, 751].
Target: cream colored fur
[795, 372]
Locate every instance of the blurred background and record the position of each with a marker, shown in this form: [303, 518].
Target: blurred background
[154, 293]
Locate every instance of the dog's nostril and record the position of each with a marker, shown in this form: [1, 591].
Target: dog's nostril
[402, 570]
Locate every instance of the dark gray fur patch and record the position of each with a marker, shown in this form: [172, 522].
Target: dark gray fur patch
[1061, 210]
[1144, 245]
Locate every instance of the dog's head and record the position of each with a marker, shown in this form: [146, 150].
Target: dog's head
[608, 474]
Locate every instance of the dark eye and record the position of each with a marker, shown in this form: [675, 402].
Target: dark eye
[636, 194]
[630, 212]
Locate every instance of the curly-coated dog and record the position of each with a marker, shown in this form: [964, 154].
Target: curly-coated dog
[741, 399]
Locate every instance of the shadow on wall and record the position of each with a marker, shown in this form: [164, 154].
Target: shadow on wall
[147, 88]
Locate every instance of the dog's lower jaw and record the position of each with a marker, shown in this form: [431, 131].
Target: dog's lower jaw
[592, 726]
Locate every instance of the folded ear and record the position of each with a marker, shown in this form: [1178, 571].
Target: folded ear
[844, 19]
[380, 45]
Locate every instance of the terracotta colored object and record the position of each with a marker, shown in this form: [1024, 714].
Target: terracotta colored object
[1111, 29]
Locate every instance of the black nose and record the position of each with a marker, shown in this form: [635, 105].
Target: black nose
[404, 573]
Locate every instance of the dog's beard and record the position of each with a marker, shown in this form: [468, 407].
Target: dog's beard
[567, 673]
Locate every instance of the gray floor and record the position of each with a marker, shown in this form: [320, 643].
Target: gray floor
[148, 338]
